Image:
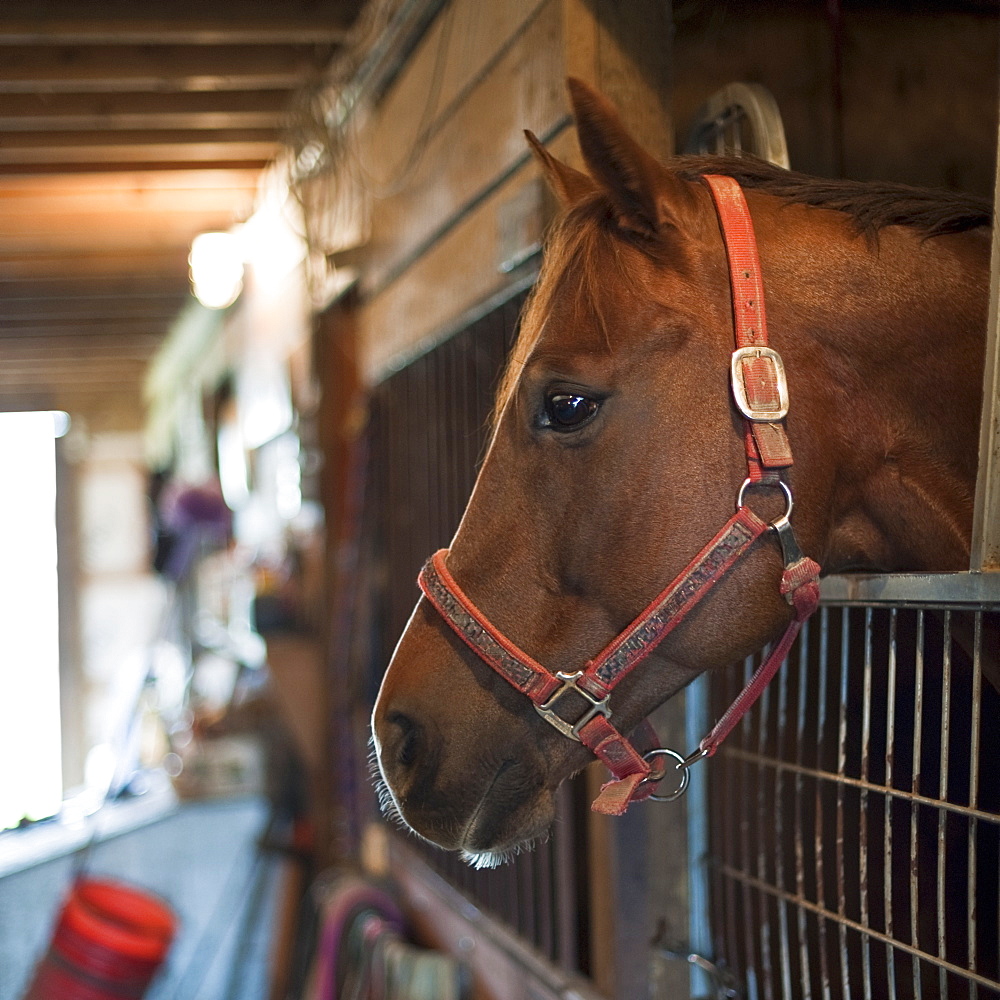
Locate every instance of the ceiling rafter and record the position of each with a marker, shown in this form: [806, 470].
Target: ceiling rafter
[125, 130]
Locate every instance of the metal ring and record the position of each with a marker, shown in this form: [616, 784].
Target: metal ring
[681, 765]
[785, 488]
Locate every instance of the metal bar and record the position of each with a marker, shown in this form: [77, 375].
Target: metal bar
[866, 731]
[696, 722]
[918, 723]
[952, 808]
[890, 749]
[800, 867]
[847, 924]
[943, 795]
[750, 938]
[567, 899]
[927, 590]
[779, 864]
[821, 710]
[977, 694]
[845, 974]
[764, 823]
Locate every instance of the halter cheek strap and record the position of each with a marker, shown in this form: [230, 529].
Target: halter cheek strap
[577, 703]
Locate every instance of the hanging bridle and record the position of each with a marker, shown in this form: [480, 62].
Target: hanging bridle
[760, 391]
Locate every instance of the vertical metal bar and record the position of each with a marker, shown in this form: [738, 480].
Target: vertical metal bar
[749, 930]
[696, 722]
[565, 835]
[779, 834]
[866, 729]
[943, 794]
[800, 867]
[841, 769]
[918, 722]
[890, 749]
[976, 704]
[819, 847]
[764, 825]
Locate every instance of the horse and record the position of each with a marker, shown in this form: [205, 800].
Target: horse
[618, 450]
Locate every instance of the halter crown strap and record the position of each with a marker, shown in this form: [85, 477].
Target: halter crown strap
[760, 392]
[760, 387]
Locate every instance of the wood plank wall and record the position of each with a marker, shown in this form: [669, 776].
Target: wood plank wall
[455, 197]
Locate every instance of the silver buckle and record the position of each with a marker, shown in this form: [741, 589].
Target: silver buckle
[598, 706]
[740, 390]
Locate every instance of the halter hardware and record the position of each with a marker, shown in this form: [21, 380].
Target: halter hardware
[760, 385]
[760, 391]
[598, 706]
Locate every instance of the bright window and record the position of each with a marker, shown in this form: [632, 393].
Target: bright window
[30, 743]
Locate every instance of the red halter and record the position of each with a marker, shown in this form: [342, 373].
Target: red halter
[761, 394]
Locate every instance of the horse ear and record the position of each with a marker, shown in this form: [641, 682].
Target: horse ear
[568, 184]
[643, 191]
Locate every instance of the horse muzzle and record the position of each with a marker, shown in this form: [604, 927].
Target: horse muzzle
[486, 807]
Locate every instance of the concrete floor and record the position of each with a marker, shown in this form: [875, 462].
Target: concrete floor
[203, 859]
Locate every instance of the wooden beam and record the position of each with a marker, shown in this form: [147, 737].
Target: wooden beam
[117, 156]
[86, 328]
[623, 49]
[96, 68]
[142, 31]
[71, 345]
[54, 263]
[118, 368]
[74, 287]
[62, 140]
[190, 191]
[117, 110]
[40, 312]
[20, 169]
[331, 13]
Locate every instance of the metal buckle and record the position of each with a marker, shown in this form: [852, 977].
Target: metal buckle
[740, 394]
[598, 706]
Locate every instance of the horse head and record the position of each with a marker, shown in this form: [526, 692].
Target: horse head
[617, 452]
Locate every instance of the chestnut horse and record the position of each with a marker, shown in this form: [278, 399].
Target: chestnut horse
[617, 453]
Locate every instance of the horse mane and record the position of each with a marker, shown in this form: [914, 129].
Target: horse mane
[576, 244]
[872, 205]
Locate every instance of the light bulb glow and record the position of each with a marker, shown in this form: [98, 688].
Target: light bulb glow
[216, 261]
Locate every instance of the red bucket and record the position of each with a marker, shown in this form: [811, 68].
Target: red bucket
[108, 944]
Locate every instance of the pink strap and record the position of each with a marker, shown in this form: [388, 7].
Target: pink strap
[479, 634]
[767, 444]
[800, 585]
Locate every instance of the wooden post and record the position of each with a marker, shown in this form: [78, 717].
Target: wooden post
[986, 514]
[623, 49]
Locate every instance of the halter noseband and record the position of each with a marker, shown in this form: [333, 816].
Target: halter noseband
[760, 391]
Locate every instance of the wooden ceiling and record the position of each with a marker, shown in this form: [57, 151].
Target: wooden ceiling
[125, 129]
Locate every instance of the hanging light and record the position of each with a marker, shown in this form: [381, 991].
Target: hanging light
[216, 261]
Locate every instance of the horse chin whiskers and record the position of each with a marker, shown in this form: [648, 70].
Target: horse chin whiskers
[494, 859]
[387, 804]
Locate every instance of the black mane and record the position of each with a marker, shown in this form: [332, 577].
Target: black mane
[872, 205]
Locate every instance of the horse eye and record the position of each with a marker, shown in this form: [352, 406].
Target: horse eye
[568, 411]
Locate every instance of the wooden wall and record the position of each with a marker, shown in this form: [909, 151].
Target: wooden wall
[874, 91]
[455, 201]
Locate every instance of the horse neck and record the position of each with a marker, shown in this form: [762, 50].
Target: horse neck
[887, 352]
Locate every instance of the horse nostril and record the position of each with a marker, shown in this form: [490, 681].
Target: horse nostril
[406, 750]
